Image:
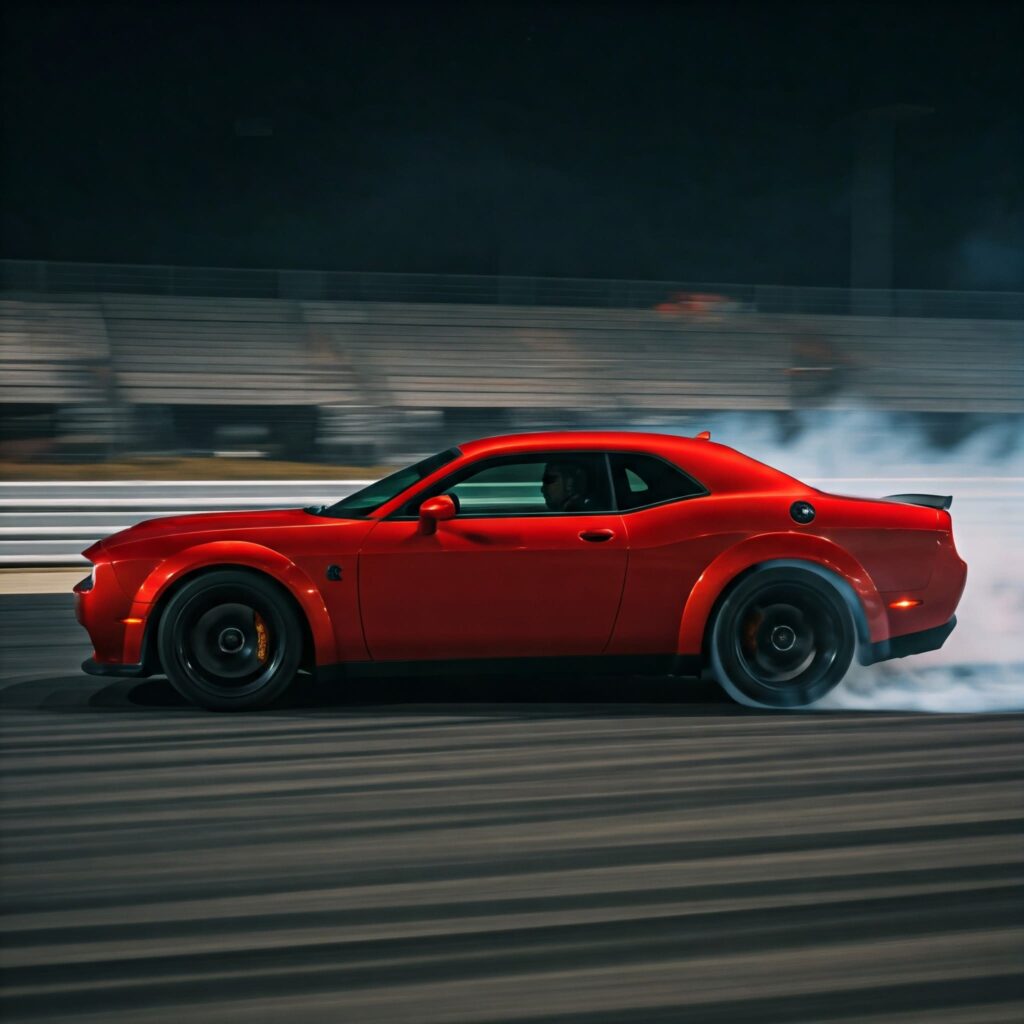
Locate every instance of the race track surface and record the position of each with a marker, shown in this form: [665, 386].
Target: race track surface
[544, 851]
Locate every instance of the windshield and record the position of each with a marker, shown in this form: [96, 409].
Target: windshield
[357, 505]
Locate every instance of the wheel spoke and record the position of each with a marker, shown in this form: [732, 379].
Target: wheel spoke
[787, 637]
[225, 644]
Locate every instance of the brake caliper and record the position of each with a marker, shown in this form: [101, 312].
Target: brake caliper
[261, 637]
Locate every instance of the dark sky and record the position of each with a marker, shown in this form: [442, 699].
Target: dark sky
[676, 141]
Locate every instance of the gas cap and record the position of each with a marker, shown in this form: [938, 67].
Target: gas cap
[802, 511]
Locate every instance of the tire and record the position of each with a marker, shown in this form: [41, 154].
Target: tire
[782, 638]
[230, 641]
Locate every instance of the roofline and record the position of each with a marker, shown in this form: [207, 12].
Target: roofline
[584, 438]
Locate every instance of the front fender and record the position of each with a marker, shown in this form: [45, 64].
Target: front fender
[236, 554]
[771, 547]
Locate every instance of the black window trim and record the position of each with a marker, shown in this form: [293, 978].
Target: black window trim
[605, 453]
[546, 455]
[368, 515]
[702, 493]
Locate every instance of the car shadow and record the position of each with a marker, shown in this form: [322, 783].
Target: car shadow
[465, 695]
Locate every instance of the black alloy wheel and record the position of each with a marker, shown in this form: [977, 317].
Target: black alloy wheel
[229, 640]
[782, 638]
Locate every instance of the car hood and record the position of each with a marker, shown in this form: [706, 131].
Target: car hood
[209, 523]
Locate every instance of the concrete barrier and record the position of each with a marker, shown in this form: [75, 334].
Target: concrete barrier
[51, 523]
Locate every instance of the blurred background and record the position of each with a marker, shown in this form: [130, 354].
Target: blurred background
[104, 364]
[257, 254]
[254, 254]
[343, 236]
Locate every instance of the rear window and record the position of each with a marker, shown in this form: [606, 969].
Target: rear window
[642, 480]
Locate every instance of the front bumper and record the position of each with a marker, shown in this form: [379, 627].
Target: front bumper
[903, 646]
[116, 627]
[91, 667]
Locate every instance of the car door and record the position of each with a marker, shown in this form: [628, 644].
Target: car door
[675, 530]
[509, 576]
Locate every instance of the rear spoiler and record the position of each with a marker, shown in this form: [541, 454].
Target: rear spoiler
[927, 500]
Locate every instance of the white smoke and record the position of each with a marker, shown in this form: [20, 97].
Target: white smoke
[869, 453]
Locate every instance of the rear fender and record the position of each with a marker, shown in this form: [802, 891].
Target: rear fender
[242, 555]
[796, 550]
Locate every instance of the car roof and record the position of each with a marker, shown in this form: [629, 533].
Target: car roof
[717, 466]
[542, 440]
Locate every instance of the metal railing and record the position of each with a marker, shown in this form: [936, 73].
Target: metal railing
[51, 523]
[47, 277]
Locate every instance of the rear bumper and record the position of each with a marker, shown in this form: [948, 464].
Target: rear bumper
[903, 646]
[91, 667]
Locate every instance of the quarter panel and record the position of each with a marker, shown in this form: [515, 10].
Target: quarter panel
[896, 543]
[895, 559]
[669, 548]
[770, 547]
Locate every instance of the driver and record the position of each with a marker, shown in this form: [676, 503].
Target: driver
[566, 487]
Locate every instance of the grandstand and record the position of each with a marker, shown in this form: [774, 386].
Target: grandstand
[313, 378]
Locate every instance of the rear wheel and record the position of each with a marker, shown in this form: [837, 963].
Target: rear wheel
[230, 641]
[782, 638]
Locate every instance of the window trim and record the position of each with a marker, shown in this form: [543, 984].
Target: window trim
[399, 517]
[511, 457]
[702, 493]
[369, 515]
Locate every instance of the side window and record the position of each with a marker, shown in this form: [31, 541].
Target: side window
[563, 483]
[495, 489]
[642, 480]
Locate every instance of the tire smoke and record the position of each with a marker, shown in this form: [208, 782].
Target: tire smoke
[981, 463]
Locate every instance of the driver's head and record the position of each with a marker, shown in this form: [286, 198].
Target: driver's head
[564, 485]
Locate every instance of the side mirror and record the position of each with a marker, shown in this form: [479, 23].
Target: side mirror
[434, 511]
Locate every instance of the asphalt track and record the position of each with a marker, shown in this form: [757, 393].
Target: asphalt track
[548, 850]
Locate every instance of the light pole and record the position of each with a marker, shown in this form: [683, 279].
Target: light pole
[871, 204]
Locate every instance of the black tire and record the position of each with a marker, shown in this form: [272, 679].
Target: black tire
[782, 638]
[229, 640]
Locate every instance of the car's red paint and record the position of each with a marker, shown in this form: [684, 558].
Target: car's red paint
[767, 547]
[491, 588]
[536, 585]
[289, 545]
[434, 511]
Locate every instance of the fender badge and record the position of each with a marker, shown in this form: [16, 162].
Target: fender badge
[334, 572]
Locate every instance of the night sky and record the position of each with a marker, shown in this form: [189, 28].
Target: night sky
[701, 142]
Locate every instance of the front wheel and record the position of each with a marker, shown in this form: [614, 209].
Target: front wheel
[782, 638]
[230, 641]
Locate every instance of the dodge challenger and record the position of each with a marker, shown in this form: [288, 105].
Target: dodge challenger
[593, 552]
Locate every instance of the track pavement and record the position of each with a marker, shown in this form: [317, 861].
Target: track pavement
[542, 851]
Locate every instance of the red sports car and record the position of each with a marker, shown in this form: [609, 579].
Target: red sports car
[604, 551]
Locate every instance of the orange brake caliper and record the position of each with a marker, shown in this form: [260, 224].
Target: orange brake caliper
[261, 637]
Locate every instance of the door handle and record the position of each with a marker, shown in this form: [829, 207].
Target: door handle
[596, 536]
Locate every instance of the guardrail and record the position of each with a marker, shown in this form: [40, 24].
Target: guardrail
[51, 277]
[51, 523]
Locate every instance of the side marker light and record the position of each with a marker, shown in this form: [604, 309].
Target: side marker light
[130, 622]
[906, 602]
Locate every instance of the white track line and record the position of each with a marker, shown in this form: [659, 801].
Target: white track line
[46, 582]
